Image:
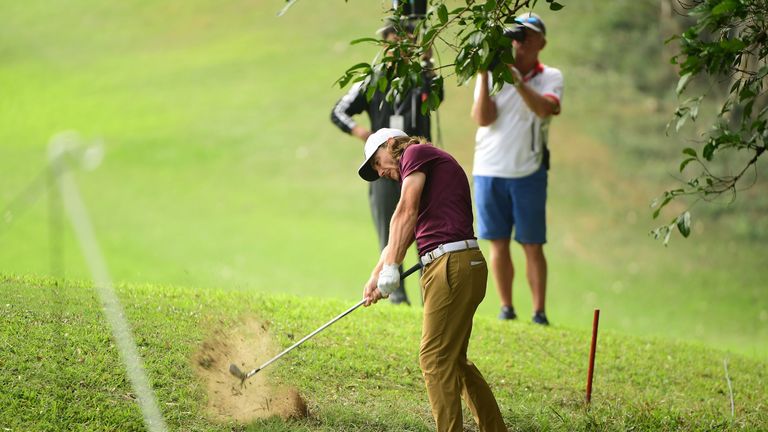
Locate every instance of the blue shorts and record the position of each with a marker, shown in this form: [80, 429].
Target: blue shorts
[507, 203]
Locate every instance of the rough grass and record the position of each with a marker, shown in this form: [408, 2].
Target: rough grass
[59, 369]
[223, 170]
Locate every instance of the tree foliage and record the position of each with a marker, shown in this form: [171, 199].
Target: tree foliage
[727, 44]
[473, 32]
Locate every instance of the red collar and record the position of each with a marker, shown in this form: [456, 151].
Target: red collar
[539, 68]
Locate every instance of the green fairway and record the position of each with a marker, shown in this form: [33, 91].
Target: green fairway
[60, 371]
[225, 184]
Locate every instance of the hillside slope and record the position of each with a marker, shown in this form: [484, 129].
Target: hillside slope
[59, 369]
[222, 169]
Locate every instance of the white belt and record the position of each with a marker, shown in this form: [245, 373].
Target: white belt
[445, 248]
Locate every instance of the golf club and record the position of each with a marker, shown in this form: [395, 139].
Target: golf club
[234, 370]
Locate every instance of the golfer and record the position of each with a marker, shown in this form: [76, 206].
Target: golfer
[435, 210]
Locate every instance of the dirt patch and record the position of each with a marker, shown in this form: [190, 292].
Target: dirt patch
[248, 346]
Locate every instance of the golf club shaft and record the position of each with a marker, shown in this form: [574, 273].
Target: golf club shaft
[304, 339]
[307, 337]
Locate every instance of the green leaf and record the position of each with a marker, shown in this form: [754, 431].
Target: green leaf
[507, 56]
[485, 54]
[709, 151]
[497, 84]
[683, 82]
[442, 14]
[369, 92]
[429, 34]
[733, 45]
[476, 38]
[382, 84]
[490, 5]
[689, 151]
[684, 224]
[505, 72]
[725, 7]
[667, 235]
[555, 6]
[343, 80]
[686, 162]
[359, 66]
[390, 96]
[761, 73]
[747, 93]
[664, 202]
[365, 39]
[433, 100]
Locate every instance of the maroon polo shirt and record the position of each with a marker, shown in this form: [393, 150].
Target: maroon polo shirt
[445, 209]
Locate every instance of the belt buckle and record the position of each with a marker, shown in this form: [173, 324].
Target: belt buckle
[430, 256]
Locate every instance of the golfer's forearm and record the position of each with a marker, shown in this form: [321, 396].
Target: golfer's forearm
[400, 235]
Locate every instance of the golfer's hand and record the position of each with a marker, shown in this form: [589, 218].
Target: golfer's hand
[371, 293]
[389, 279]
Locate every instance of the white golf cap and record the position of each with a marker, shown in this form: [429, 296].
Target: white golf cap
[372, 144]
[532, 21]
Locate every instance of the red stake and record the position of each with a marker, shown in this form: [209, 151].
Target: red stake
[595, 320]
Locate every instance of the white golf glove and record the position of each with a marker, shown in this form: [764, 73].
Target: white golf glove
[389, 279]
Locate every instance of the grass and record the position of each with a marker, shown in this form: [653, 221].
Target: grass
[223, 175]
[223, 170]
[60, 370]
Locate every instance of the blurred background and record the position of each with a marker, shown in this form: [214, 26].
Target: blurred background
[222, 169]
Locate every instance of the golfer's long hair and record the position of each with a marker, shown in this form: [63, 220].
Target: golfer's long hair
[399, 144]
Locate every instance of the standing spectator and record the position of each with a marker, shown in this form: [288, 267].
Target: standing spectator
[511, 163]
[404, 114]
[435, 210]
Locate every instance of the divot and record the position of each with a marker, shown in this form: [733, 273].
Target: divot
[247, 343]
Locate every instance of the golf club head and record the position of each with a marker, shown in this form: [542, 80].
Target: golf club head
[234, 370]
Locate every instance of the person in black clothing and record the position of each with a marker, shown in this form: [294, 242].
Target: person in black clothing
[404, 114]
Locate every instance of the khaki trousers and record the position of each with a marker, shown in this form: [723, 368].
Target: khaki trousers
[452, 287]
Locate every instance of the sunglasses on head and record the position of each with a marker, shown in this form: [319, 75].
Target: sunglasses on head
[529, 20]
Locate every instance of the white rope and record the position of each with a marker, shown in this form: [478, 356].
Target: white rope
[59, 151]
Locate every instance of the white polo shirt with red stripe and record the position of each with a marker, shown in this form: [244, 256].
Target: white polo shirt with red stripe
[513, 145]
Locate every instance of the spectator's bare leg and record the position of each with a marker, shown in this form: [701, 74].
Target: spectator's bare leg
[536, 269]
[502, 269]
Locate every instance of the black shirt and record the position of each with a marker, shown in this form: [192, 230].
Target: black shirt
[379, 111]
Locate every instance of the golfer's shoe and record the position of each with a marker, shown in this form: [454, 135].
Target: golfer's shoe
[507, 313]
[540, 318]
[399, 297]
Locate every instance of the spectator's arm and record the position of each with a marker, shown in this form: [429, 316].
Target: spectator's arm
[351, 104]
[484, 108]
[543, 105]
